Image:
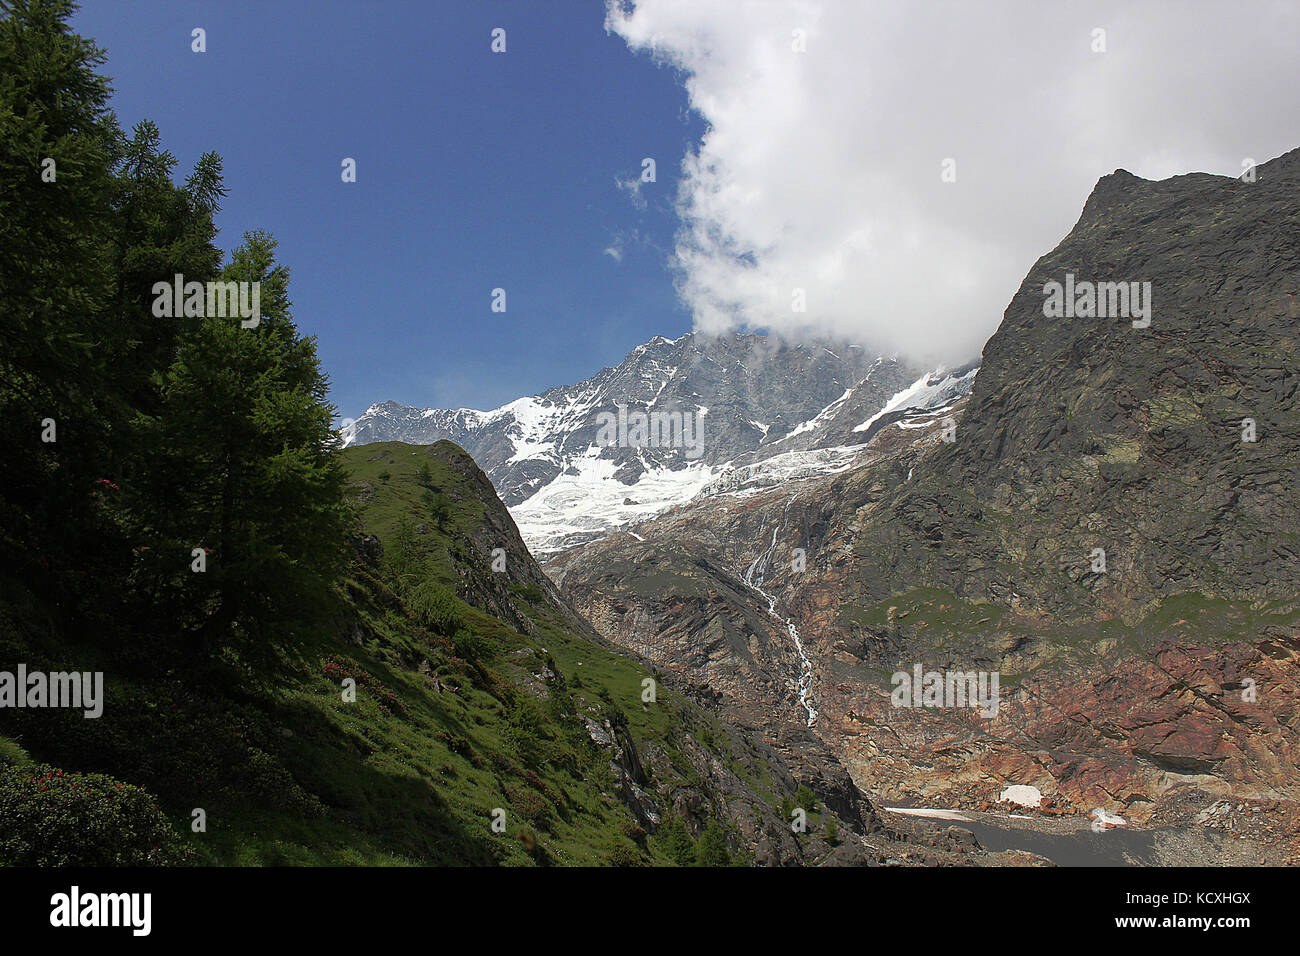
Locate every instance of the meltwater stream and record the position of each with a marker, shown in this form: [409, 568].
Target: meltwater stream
[754, 579]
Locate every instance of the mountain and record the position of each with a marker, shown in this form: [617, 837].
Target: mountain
[1111, 526]
[477, 696]
[713, 407]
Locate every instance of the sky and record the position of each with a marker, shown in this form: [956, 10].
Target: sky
[475, 171]
[894, 167]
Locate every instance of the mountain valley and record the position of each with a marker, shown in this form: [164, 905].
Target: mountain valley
[1107, 519]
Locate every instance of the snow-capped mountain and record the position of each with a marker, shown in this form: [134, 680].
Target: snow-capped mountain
[835, 449]
[673, 420]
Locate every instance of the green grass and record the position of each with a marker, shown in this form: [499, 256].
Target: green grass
[946, 623]
[445, 728]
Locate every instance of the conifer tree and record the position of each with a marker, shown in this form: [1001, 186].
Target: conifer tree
[162, 230]
[57, 148]
[675, 841]
[711, 850]
[248, 469]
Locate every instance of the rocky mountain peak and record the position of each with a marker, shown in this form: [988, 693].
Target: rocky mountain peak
[655, 430]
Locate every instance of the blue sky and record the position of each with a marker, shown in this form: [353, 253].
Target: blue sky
[474, 171]
[900, 165]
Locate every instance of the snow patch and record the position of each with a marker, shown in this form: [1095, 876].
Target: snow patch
[820, 418]
[1107, 820]
[930, 392]
[587, 501]
[932, 814]
[1021, 795]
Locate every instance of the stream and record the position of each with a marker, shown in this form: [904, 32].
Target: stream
[753, 579]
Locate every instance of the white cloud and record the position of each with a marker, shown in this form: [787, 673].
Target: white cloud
[821, 170]
[632, 186]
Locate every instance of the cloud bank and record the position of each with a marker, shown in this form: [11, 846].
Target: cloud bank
[822, 170]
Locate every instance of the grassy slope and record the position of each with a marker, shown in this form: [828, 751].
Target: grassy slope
[443, 730]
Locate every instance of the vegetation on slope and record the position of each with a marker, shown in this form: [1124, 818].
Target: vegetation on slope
[296, 669]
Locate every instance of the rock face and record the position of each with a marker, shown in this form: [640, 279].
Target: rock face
[1098, 529]
[754, 389]
[1087, 433]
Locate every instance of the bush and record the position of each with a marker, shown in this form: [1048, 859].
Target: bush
[675, 841]
[806, 798]
[712, 847]
[338, 668]
[12, 755]
[533, 808]
[470, 646]
[435, 607]
[785, 809]
[525, 726]
[439, 507]
[529, 592]
[52, 818]
[622, 852]
[264, 782]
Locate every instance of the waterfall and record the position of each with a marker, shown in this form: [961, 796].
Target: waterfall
[753, 579]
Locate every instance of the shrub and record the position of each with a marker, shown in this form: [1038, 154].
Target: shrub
[52, 818]
[529, 592]
[806, 798]
[704, 734]
[785, 808]
[525, 726]
[264, 781]
[435, 607]
[439, 507]
[622, 852]
[337, 668]
[675, 841]
[712, 848]
[533, 808]
[470, 645]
